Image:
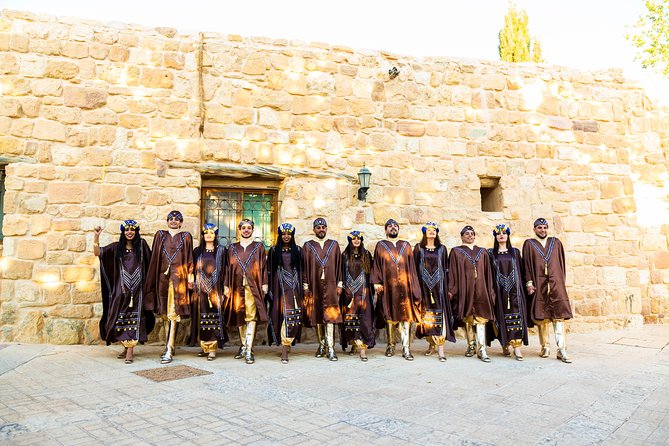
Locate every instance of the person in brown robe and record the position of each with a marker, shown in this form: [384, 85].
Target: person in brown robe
[431, 259]
[357, 300]
[285, 298]
[169, 278]
[123, 267]
[471, 289]
[210, 260]
[322, 282]
[396, 283]
[245, 286]
[546, 281]
[510, 326]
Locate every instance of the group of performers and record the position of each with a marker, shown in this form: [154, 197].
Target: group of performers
[493, 294]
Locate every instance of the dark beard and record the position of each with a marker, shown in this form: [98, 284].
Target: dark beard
[542, 237]
[392, 235]
[321, 237]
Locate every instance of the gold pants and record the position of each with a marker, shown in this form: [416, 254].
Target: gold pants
[358, 343]
[474, 320]
[436, 340]
[543, 329]
[129, 344]
[516, 343]
[250, 305]
[209, 346]
[171, 307]
[405, 333]
[284, 340]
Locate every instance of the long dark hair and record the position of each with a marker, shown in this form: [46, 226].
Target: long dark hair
[201, 246]
[365, 255]
[295, 261]
[495, 248]
[423, 241]
[136, 245]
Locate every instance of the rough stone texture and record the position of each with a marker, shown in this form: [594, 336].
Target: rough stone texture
[102, 123]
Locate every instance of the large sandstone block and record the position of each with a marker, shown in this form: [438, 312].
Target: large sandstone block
[83, 97]
[31, 328]
[8, 64]
[62, 331]
[49, 130]
[73, 274]
[309, 105]
[661, 260]
[410, 128]
[46, 87]
[624, 205]
[30, 249]
[85, 292]
[10, 107]
[61, 69]
[10, 146]
[58, 192]
[156, 78]
[14, 224]
[132, 121]
[17, 269]
[255, 65]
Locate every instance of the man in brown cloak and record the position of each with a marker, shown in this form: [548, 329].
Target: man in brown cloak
[323, 283]
[396, 282]
[545, 280]
[169, 277]
[471, 289]
[245, 286]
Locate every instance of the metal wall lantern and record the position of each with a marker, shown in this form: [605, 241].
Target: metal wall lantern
[364, 176]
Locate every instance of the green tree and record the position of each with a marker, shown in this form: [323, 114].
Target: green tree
[515, 43]
[652, 36]
[537, 52]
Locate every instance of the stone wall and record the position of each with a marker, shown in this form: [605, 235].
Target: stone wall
[102, 122]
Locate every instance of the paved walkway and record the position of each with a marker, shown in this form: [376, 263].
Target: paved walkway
[615, 392]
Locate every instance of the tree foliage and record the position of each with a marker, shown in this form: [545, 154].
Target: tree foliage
[515, 43]
[651, 36]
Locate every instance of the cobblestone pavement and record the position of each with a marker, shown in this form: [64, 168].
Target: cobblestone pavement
[615, 392]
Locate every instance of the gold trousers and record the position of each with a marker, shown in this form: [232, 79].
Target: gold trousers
[129, 344]
[209, 346]
[543, 329]
[516, 343]
[171, 307]
[250, 305]
[436, 340]
[358, 343]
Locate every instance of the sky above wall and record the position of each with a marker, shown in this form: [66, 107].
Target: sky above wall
[587, 34]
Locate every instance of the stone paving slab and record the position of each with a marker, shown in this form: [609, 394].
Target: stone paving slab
[614, 393]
